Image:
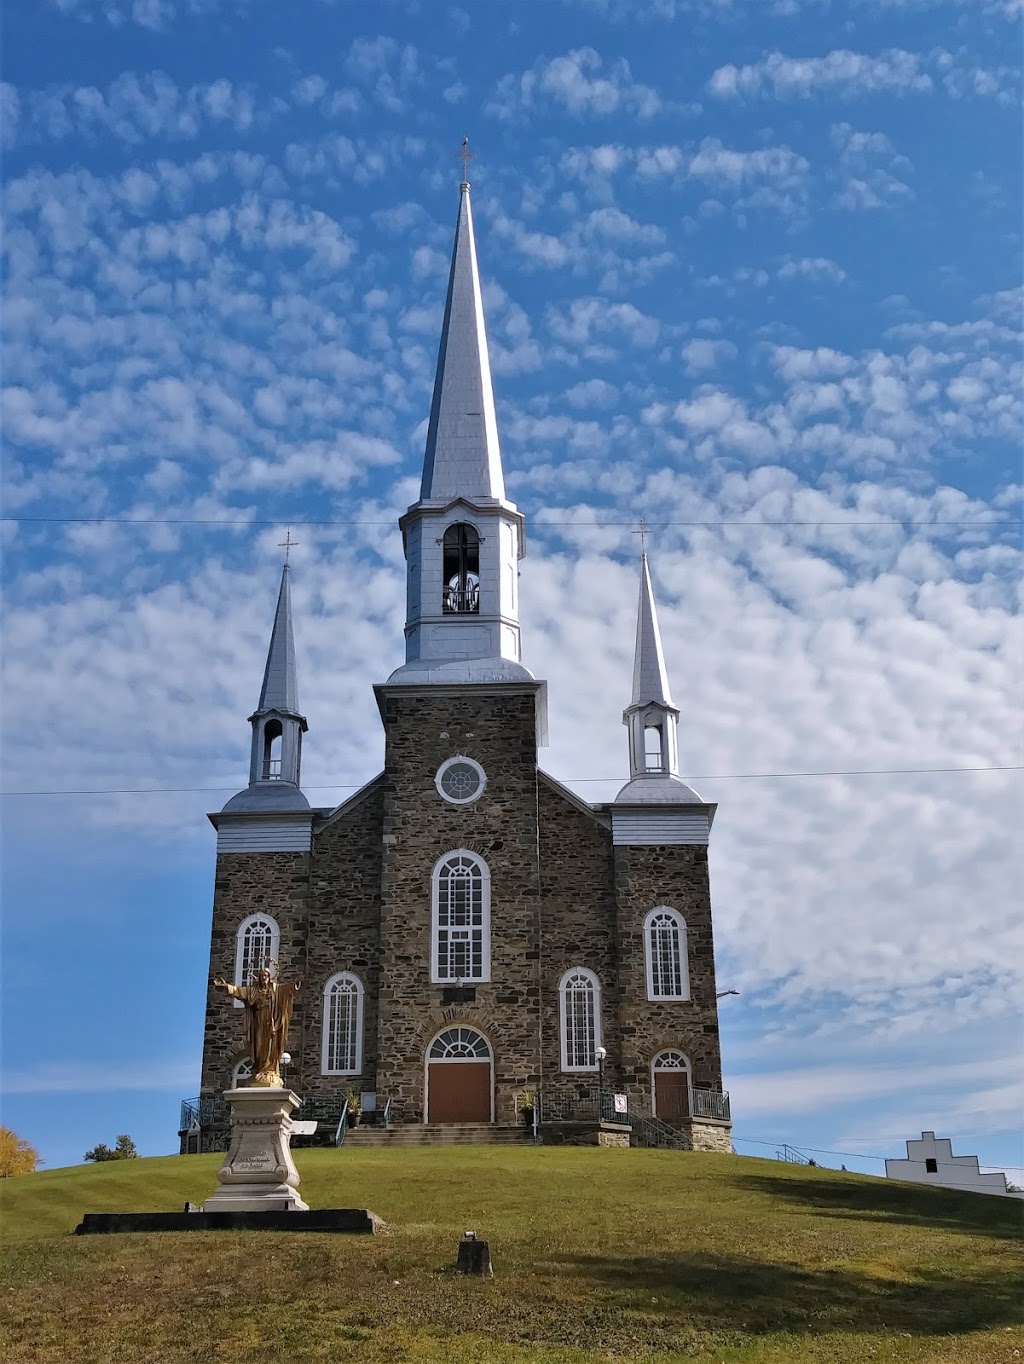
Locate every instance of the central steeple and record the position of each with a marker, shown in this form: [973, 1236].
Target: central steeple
[463, 539]
[462, 457]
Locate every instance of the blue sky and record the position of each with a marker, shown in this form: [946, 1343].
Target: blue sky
[752, 272]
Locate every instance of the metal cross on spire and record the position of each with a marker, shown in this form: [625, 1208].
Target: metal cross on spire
[466, 156]
[287, 544]
[643, 533]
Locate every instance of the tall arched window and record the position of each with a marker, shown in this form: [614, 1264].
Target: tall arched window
[258, 939]
[343, 1025]
[461, 918]
[668, 975]
[461, 551]
[579, 995]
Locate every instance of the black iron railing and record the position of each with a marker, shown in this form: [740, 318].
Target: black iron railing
[646, 1129]
[709, 1103]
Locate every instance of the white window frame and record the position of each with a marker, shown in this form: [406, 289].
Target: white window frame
[243, 928]
[485, 919]
[563, 1016]
[348, 978]
[469, 762]
[683, 962]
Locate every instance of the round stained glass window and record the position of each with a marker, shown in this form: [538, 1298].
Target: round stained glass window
[460, 780]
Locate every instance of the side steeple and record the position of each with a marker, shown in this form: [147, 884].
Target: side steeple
[652, 717]
[277, 723]
[463, 540]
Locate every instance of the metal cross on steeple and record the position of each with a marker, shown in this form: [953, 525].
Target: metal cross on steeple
[466, 156]
[287, 543]
[643, 533]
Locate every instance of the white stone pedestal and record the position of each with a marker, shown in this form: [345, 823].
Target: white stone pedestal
[258, 1174]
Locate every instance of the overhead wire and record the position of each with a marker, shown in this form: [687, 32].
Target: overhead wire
[243, 521]
[349, 786]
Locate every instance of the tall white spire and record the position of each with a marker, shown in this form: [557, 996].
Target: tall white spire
[463, 540]
[462, 457]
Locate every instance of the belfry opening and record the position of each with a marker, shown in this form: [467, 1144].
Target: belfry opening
[461, 570]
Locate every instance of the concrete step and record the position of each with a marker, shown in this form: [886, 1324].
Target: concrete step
[439, 1134]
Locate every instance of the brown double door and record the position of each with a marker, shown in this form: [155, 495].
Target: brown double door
[671, 1096]
[459, 1091]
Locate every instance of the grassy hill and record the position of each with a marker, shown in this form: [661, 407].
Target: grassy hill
[598, 1255]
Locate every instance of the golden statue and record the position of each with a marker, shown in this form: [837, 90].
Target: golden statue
[268, 1011]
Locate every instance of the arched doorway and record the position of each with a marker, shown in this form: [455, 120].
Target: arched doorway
[670, 1071]
[459, 1087]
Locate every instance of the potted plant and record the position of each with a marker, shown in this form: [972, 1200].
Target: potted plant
[527, 1106]
[354, 1108]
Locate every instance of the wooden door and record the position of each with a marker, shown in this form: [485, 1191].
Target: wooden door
[671, 1095]
[459, 1091]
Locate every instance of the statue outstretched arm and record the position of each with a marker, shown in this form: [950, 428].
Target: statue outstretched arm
[234, 990]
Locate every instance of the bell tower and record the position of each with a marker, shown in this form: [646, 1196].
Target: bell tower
[463, 539]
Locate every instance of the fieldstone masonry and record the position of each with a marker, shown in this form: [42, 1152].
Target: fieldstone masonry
[561, 896]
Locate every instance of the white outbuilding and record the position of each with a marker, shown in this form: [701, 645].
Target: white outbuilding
[931, 1161]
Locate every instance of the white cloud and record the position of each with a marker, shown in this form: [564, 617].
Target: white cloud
[841, 71]
[702, 354]
[580, 83]
[816, 269]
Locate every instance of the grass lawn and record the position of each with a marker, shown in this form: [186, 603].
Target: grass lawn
[598, 1255]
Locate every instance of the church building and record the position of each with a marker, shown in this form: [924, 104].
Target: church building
[474, 938]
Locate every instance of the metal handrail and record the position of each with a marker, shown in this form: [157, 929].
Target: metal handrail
[342, 1129]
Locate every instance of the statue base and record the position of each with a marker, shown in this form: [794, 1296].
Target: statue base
[258, 1174]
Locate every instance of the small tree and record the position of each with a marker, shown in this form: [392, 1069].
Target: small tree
[17, 1156]
[124, 1149]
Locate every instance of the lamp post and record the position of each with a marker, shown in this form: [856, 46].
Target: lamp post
[602, 1055]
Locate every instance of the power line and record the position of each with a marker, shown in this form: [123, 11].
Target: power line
[242, 522]
[850, 1155]
[348, 786]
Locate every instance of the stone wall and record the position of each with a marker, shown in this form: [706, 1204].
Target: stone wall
[675, 876]
[497, 728]
[577, 929]
[276, 883]
[344, 934]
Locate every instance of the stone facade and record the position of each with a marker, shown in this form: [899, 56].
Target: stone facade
[562, 896]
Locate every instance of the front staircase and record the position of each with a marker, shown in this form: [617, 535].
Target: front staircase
[439, 1134]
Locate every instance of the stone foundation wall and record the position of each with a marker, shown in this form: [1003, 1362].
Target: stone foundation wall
[711, 1136]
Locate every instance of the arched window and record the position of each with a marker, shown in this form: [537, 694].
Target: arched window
[579, 995]
[258, 939]
[272, 742]
[343, 1025]
[668, 975]
[461, 918]
[459, 1044]
[461, 551]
